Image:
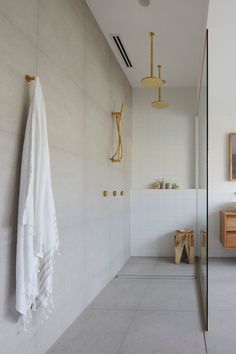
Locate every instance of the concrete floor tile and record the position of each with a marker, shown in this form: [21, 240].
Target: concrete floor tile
[97, 332]
[137, 316]
[142, 260]
[135, 268]
[222, 268]
[166, 266]
[222, 294]
[171, 295]
[156, 332]
[158, 266]
[221, 338]
[121, 294]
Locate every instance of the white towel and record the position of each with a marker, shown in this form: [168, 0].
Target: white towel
[37, 236]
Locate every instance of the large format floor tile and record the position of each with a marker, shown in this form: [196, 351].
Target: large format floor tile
[222, 284]
[222, 268]
[170, 295]
[95, 332]
[156, 332]
[166, 266]
[221, 338]
[141, 260]
[137, 268]
[121, 294]
[222, 294]
[135, 315]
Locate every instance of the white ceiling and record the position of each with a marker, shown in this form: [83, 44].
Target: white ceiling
[179, 26]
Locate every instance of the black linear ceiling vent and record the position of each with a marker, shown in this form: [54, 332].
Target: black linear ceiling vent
[121, 48]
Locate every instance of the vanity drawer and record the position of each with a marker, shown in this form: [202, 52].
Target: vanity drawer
[230, 223]
[231, 240]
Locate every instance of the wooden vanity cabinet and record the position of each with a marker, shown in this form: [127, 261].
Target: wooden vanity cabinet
[228, 229]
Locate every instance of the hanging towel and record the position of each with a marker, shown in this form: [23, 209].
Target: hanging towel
[37, 236]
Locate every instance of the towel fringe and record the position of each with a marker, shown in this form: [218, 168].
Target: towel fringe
[35, 303]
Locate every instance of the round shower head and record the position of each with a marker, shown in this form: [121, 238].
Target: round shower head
[160, 104]
[152, 82]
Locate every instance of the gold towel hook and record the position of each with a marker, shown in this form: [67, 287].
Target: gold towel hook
[29, 78]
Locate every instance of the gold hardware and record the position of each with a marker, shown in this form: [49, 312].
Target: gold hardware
[152, 34]
[159, 104]
[151, 81]
[114, 193]
[122, 193]
[117, 157]
[105, 194]
[29, 78]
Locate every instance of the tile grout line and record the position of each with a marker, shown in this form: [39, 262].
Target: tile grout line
[135, 315]
[151, 310]
[127, 331]
[136, 311]
[17, 28]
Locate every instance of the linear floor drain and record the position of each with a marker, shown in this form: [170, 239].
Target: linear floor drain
[144, 276]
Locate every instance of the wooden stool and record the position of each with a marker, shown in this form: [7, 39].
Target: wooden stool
[184, 239]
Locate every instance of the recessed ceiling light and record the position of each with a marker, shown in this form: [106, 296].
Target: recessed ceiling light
[144, 2]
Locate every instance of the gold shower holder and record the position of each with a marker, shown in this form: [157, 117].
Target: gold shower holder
[117, 157]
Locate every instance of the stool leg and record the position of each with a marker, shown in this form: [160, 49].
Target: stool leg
[191, 249]
[178, 254]
[178, 250]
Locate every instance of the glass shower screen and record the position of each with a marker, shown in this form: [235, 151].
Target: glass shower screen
[202, 184]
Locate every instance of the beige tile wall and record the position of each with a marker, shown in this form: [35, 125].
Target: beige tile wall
[82, 84]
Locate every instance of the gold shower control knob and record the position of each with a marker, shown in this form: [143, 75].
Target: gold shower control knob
[105, 194]
[114, 193]
[122, 193]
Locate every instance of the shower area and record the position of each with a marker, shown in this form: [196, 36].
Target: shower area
[172, 145]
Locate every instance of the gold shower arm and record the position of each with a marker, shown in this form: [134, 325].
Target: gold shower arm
[152, 34]
[159, 104]
[159, 71]
[159, 75]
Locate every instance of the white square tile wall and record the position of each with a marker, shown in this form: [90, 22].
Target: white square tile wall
[163, 142]
[155, 215]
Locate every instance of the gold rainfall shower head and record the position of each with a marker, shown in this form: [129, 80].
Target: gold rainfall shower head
[151, 81]
[160, 104]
